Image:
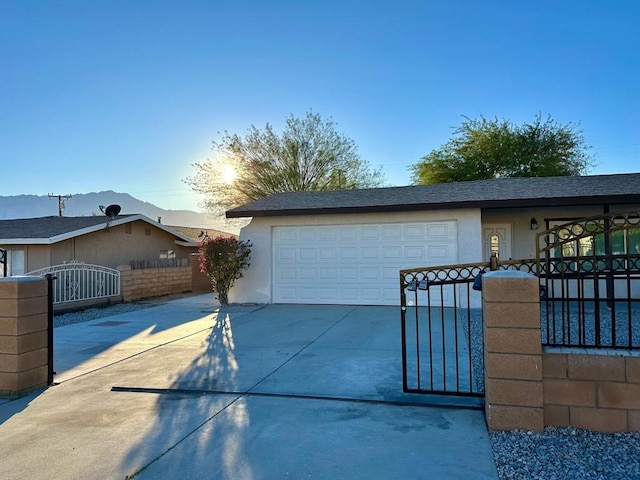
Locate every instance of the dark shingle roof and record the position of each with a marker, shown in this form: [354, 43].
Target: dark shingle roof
[501, 192]
[45, 230]
[47, 227]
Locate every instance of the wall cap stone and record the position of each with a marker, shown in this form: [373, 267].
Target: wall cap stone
[605, 352]
[508, 274]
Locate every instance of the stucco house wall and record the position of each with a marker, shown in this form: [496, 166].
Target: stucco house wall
[36, 243]
[114, 246]
[36, 256]
[255, 286]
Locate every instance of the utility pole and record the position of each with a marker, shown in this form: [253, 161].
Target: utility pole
[61, 199]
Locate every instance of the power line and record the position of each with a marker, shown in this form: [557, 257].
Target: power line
[61, 199]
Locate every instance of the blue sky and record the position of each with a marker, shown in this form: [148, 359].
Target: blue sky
[126, 95]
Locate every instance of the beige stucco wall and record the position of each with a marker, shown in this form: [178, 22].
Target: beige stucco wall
[115, 247]
[255, 286]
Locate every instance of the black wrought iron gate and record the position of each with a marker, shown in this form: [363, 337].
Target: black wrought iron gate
[441, 324]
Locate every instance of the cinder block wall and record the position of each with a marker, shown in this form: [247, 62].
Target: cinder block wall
[23, 334]
[154, 282]
[528, 388]
[597, 392]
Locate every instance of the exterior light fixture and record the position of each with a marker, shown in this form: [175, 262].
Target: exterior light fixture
[534, 223]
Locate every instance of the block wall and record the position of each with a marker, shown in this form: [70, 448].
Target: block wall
[599, 392]
[23, 334]
[527, 388]
[154, 282]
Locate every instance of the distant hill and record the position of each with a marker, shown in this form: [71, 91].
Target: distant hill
[87, 204]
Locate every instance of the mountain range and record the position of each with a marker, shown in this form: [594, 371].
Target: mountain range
[87, 204]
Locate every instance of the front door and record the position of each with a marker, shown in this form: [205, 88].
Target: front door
[496, 237]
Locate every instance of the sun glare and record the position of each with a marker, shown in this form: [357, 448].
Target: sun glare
[228, 174]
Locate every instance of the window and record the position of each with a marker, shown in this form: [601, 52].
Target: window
[494, 244]
[167, 254]
[127, 228]
[147, 231]
[15, 262]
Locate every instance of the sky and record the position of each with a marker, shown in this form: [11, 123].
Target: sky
[127, 95]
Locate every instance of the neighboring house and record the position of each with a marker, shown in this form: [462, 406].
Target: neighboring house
[198, 234]
[34, 243]
[347, 247]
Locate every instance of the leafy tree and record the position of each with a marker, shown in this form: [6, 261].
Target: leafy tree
[484, 149]
[223, 259]
[309, 154]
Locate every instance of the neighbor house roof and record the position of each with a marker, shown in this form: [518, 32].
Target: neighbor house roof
[197, 234]
[500, 192]
[49, 230]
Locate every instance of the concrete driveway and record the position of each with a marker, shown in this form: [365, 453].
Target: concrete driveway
[189, 390]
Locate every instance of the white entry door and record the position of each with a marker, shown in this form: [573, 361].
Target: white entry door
[496, 237]
[355, 264]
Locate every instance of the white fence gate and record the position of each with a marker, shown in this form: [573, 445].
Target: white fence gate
[77, 281]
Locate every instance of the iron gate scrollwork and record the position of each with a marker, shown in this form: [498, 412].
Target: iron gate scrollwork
[592, 277]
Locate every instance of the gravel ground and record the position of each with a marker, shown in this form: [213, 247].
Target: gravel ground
[558, 453]
[60, 320]
[566, 453]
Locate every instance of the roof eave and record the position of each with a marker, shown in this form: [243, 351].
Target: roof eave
[509, 203]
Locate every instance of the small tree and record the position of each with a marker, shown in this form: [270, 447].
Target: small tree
[483, 149]
[223, 259]
[310, 154]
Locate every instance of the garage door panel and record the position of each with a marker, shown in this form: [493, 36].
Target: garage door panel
[287, 273]
[414, 232]
[349, 234]
[349, 273]
[367, 253]
[286, 254]
[328, 273]
[369, 273]
[355, 264]
[391, 232]
[328, 253]
[414, 253]
[439, 252]
[349, 295]
[328, 234]
[391, 252]
[349, 253]
[369, 232]
[440, 231]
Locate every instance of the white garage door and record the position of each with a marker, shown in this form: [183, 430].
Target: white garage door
[355, 264]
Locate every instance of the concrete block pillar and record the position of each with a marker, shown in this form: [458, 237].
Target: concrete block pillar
[126, 282]
[23, 334]
[513, 351]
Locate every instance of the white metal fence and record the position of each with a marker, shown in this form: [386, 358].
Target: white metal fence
[77, 281]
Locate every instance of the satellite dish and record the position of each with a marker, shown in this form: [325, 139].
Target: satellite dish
[112, 211]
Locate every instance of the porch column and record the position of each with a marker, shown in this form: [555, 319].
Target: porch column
[512, 351]
[23, 334]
